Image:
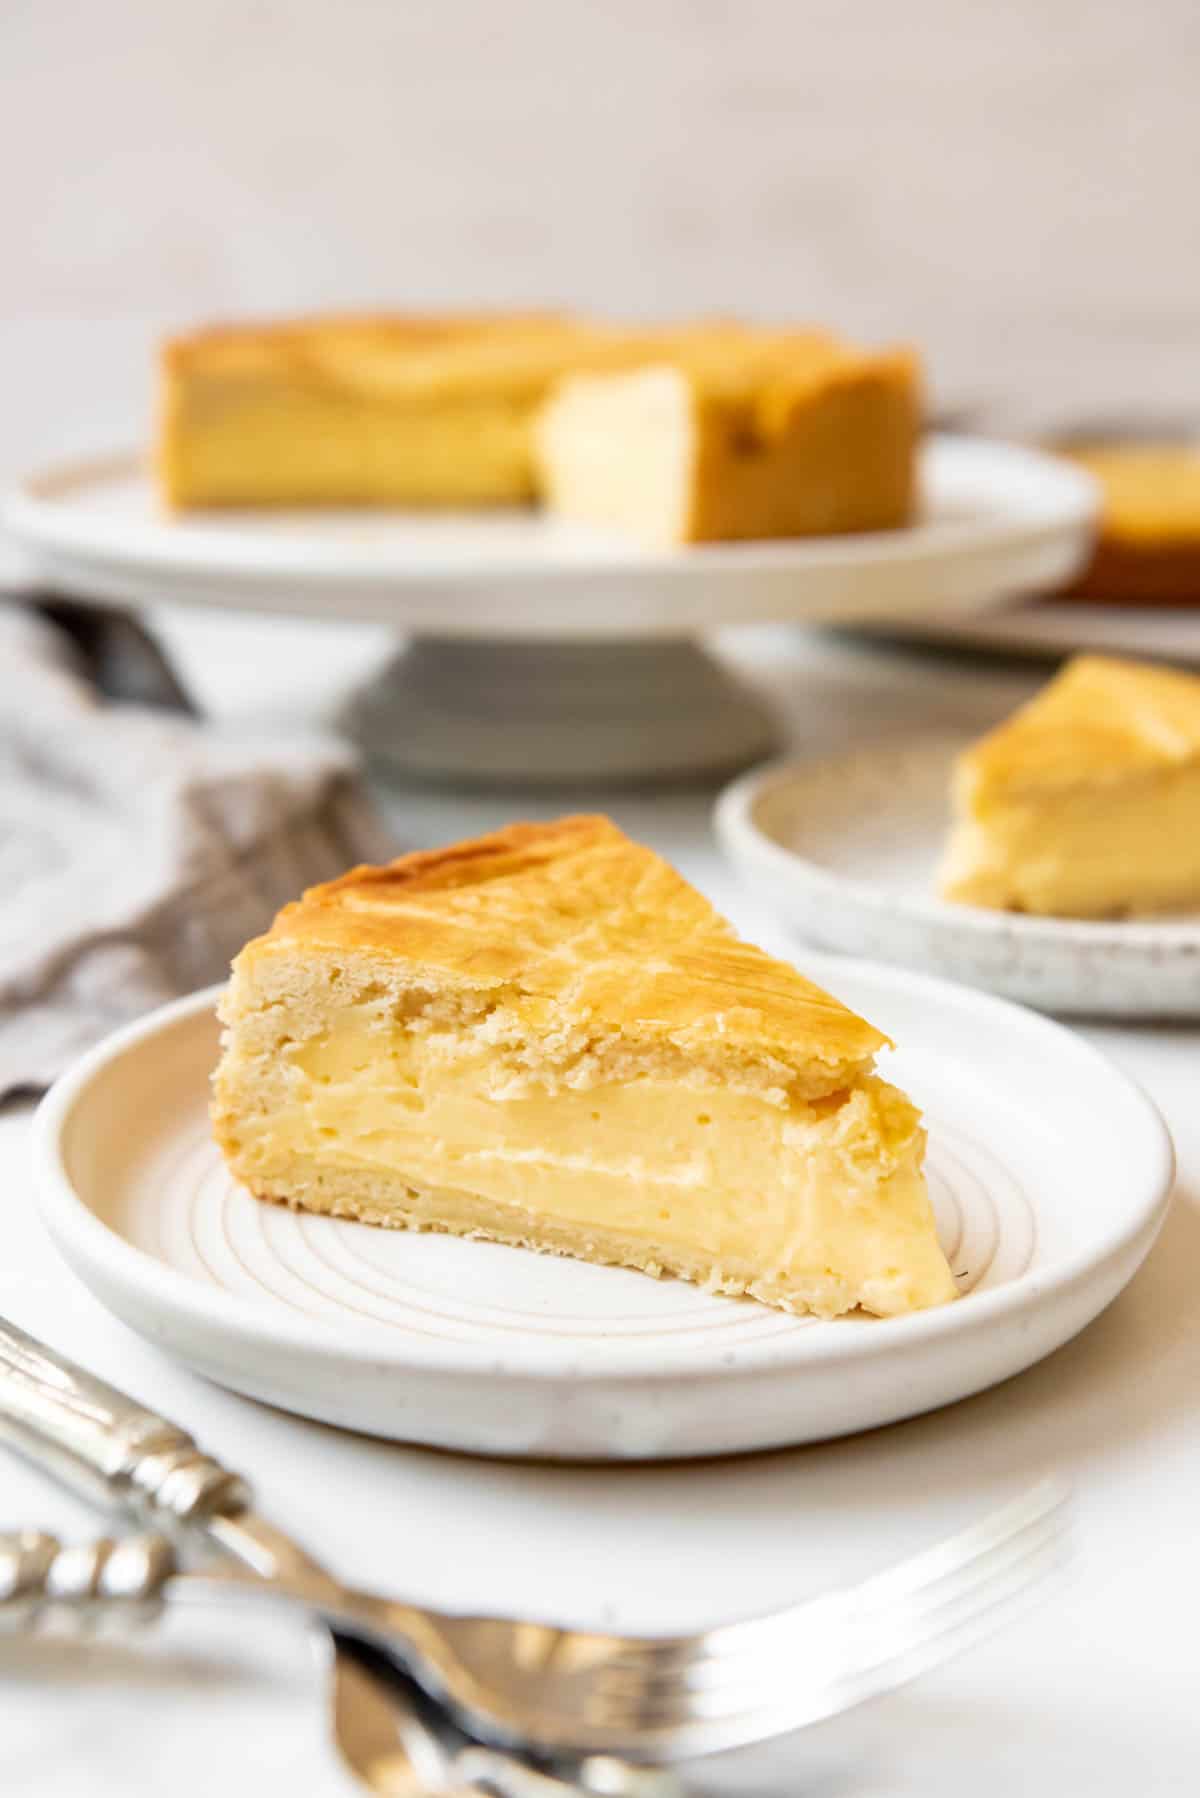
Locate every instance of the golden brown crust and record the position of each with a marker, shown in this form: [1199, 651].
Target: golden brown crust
[503, 852]
[574, 917]
[789, 372]
[758, 379]
[1100, 719]
[705, 340]
[400, 329]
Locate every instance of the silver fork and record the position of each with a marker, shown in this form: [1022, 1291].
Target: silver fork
[391, 1736]
[533, 1685]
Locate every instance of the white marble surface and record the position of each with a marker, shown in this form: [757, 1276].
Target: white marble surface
[1094, 1693]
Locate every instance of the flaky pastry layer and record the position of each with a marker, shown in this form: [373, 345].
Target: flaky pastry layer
[568, 934]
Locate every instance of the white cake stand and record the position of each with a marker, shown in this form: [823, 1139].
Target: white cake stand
[546, 652]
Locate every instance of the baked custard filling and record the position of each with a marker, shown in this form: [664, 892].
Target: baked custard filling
[297, 448]
[1099, 852]
[1086, 802]
[824, 1198]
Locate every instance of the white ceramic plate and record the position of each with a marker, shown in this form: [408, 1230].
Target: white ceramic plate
[845, 850]
[997, 519]
[1040, 630]
[1046, 1208]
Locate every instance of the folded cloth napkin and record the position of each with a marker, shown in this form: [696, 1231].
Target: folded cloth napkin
[139, 849]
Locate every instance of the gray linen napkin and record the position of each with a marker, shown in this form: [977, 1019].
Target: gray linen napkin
[139, 850]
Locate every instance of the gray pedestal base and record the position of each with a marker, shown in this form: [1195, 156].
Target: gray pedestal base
[492, 712]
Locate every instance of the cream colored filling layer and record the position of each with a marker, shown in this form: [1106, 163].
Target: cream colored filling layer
[1132, 848]
[283, 447]
[620, 452]
[789, 1188]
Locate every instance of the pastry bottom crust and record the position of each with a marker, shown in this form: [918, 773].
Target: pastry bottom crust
[375, 1198]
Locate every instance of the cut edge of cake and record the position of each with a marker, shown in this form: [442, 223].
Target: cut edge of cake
[769, 441]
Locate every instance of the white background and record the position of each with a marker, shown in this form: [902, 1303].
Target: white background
[1010, 182]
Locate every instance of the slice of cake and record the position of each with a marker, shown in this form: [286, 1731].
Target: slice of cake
[1148, 547]
[778, 436]
[1086, 803]
[547, 1038]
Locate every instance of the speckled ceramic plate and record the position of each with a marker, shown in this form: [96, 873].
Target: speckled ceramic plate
[1045, 1213]
[845, 850]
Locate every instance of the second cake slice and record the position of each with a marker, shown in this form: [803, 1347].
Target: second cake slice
[1086, 802]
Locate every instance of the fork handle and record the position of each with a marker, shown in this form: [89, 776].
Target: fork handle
[81, 1583]
[103, 1445]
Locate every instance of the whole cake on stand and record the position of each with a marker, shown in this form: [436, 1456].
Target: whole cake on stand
[556, 512]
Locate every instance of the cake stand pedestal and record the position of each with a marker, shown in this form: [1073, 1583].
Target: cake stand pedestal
[540, 651]
[501, 711]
